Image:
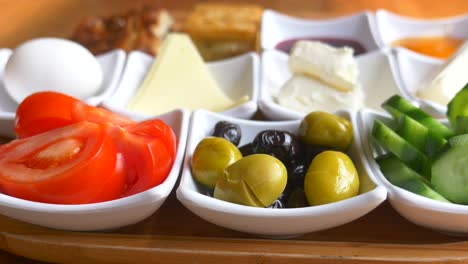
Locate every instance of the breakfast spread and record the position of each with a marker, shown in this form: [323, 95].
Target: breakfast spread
[449, 80]
[52, 64]
[73, 153]
[68, 152]
[279, 169]
[224, 30]
[440, 47]
[139, 29]
[324, 78]
[179, 78]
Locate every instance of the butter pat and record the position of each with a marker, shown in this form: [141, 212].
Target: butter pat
[448, 81]
[333, 66]
[179, 78]
[305, 94]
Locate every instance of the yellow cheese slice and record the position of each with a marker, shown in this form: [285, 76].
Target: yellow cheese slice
[179, 78]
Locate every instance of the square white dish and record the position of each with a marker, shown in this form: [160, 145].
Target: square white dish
[436, 215]
[236, 76]
[278, 27]
[278, 223]
[105, 215]
[391, 27]
[112, 64]
[376, 75]
[411, 80]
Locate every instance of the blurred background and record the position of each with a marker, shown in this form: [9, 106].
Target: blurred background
[26, 19]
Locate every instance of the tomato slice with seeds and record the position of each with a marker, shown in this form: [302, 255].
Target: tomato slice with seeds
[144, 152]
[75, 164]
[43, 111]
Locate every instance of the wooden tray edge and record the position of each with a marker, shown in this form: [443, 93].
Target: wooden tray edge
[89, 248]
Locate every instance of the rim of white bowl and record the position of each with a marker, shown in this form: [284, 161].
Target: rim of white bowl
[405, 54]
[275, 15]
[392, 15]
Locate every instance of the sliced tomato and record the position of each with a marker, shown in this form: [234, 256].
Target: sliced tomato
[83, 112]
[148, 149]
[75, 164]
[145, 150]
[156, 128]
[44, 111]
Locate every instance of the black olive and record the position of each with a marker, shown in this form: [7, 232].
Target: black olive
[279, 203]
[297, 199]
[280, 144]
[208, 192]
[246, 150]
[312, 151]
[296, 174]
[229, 131]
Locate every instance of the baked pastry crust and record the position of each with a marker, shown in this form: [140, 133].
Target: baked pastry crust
[223, 30]
[139, 29]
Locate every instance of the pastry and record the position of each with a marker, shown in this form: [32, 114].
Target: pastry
[224, 30]
[138, 29]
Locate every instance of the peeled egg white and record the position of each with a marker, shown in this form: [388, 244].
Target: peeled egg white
[52, 64]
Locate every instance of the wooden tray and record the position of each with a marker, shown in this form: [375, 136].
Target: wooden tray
[174, 234]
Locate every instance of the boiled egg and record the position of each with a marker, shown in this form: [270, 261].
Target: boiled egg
[52, 64]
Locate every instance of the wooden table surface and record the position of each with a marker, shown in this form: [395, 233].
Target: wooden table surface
[25, 19]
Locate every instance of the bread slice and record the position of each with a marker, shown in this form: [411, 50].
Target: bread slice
[223, 30]
[138, 29]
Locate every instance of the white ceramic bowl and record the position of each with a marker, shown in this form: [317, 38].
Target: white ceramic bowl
[277, 27]
[266, 221]
[105, 215]
[436, 215]
[391, 27]
[411, 80]
[376, 74]
[112, 64]
[237, 76]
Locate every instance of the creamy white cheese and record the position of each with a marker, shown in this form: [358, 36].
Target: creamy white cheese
[305, 94]
[449, 80]
[334, 66]
[324, 79]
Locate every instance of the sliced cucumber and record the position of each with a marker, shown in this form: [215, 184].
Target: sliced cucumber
[420, 136]
[397, 105]
[459, 140]
[461, 124]
[406, 152]
[402, 176]
[450, 174]
[412, 131]
[458, 106]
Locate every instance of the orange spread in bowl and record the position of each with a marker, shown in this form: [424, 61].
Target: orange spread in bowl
[437, 46]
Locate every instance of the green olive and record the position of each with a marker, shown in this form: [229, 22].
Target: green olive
[331, 177]
[256, 180]
[211, 156]
[325, 129]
